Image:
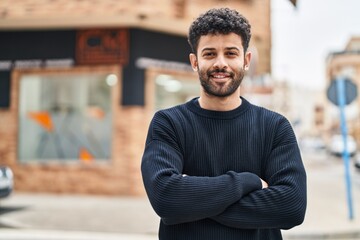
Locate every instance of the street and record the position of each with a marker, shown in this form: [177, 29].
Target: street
[25, 216]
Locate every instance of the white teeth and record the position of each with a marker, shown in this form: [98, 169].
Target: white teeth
[219, 76]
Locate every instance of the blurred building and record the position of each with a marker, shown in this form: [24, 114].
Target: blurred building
[80, 81]
[346, 64]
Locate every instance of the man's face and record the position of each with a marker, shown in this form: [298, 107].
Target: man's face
[221, 63]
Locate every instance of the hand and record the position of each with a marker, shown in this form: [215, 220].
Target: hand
[264, 184]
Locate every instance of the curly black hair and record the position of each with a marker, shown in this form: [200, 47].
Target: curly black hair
[219, 21]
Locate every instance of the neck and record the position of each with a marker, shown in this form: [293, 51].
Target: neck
[220, 103]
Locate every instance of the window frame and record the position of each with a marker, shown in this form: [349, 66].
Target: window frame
[115, 95]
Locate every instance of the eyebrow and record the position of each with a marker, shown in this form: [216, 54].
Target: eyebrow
[207, 49]
[233, 48]
[227, 48]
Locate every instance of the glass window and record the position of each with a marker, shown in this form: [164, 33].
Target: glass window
[172, 90]
[65, 117]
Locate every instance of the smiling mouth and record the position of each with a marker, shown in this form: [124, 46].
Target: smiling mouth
[220, 77]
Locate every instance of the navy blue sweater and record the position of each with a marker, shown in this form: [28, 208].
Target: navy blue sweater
[201, 171]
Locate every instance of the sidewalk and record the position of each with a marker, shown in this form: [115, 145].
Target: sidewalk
[24, 234]
[79, 213]
[133, 218]
[76, 217]
[327, 215]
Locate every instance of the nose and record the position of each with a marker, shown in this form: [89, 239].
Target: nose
[220, 63]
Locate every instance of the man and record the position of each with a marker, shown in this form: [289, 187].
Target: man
[218, 167]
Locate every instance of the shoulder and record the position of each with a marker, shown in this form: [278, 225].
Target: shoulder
[166, 126]
[269, 116]
[171, 114]
[169, 119]
[274, 124]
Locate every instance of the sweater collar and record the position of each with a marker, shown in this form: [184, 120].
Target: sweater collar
[194, 106]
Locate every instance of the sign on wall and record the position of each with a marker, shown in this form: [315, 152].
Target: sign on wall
[102, 46]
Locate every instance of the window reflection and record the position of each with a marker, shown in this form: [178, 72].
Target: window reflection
[65, 117]
[171, 90]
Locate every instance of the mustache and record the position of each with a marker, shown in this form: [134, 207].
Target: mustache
[210, 72]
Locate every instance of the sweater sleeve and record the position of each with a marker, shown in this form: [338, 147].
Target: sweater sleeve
[177, 198]
[283, 204]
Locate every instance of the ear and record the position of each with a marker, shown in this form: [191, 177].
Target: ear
[193, 61]
[247, 59]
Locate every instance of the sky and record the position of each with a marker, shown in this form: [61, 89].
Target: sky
[302, 38]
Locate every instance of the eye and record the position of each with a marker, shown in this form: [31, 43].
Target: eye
[208, 54]
[232, 53]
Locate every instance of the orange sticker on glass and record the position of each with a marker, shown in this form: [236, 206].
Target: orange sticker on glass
[43, 119]
[85, 155]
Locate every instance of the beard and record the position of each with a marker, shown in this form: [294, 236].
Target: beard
[221, 90]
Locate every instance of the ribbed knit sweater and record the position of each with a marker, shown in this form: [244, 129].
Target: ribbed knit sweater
[201, 171]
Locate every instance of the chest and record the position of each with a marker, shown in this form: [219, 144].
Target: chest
[214, 147]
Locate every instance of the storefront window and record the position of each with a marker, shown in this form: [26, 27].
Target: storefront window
[65, 117]
[172, 90]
